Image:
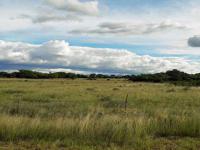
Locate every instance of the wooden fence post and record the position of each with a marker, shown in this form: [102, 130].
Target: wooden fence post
[126, 103]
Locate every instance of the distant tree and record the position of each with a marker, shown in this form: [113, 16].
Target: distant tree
[92, 77]
[176, 75]
[4, 75]
[26, 74]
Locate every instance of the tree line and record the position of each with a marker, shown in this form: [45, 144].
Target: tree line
[39, 75]
[173, 76]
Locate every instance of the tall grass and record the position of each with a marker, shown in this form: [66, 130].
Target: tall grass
[90, 113]
[94, 130]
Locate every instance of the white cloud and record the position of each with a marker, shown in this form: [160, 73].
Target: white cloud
[55, 19]
[62, 55]
[60, 70]
[54, 12]
[15, 52]
[76, 6]
[51, 17]
[127, 28]
[190, 51]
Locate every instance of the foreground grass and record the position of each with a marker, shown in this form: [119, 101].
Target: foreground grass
[82, 114]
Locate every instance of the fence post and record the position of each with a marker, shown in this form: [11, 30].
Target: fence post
[126, 103]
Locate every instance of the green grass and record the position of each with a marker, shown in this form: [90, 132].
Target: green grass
[90, 115]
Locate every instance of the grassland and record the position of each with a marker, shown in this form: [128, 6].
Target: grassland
[90, 115]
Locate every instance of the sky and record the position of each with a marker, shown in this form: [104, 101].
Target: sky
[100, 36]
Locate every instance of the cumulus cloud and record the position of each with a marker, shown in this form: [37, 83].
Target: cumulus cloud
[15, 52]
[194, 41]
[131, 29]
[59, 54]
[76, 6]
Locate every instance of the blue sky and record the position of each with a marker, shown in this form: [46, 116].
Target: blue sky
[146, 35]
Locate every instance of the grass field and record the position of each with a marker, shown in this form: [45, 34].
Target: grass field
[90, 115]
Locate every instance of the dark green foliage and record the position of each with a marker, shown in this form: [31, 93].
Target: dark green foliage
[174, 76]
[38, 75]
[92, 77]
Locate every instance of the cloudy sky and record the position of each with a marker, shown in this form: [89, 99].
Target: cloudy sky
[100, 36]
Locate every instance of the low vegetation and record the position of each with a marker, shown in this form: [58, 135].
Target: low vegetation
[174, 76]
[91, 115]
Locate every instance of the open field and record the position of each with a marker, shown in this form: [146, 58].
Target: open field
[90, 115]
